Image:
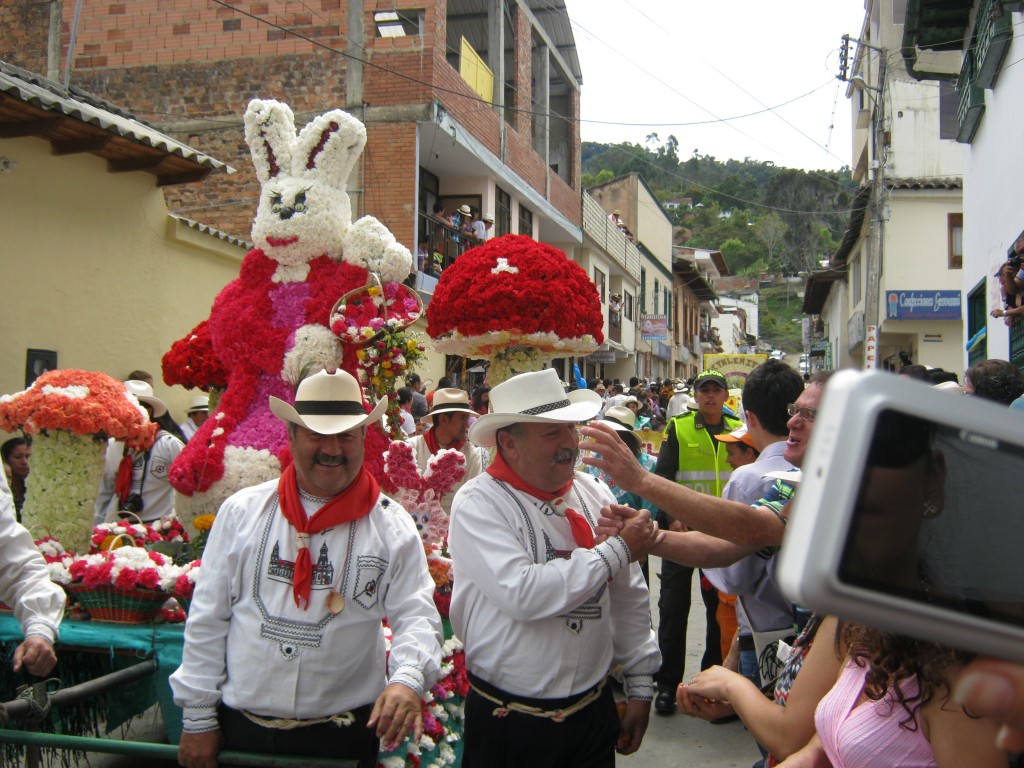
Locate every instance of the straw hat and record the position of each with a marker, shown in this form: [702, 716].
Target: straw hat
[144, 394]
[450, 400]
[328, 404]
[534, 397]
[198, 402]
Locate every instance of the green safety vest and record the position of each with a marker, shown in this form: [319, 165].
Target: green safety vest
[702, 458]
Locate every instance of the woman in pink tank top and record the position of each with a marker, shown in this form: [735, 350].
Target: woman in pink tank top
[891, 708]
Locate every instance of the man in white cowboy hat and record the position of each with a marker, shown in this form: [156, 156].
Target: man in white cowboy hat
[284, 650]
[196, 415]
[679, 401]
[449, 418]
[482, 226]
[544, 610]
[134, 481]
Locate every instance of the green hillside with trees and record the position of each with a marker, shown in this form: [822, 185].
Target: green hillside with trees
[761, 216]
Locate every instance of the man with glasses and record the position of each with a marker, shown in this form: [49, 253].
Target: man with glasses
[728, 529]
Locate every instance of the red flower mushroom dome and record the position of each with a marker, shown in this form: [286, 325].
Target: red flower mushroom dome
[515, 293]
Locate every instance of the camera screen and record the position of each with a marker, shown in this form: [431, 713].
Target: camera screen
[939, 519]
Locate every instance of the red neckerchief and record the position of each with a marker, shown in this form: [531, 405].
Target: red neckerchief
[123, 483]
[354, 502]
[582, 533]
[430, 438]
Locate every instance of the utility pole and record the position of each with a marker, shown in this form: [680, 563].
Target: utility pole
[876, 178]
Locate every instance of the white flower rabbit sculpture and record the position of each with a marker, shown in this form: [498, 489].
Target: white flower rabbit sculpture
[268, 328]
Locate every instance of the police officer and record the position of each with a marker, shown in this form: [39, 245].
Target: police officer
[691, 456]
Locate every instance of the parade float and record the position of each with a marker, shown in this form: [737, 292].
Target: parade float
[516, 303]
[317, 292]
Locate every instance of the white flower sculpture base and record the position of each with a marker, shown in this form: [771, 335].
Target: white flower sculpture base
[66, 472]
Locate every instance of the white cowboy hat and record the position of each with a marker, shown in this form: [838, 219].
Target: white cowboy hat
[621, 419]
[465, 210]
[328, 404]
[198, 402]
[533, 397]
[144, 394]
[449, 400]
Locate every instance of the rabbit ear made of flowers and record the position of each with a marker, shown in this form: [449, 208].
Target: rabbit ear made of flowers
[365, 314]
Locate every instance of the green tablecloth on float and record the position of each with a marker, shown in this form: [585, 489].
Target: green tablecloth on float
[89, 649]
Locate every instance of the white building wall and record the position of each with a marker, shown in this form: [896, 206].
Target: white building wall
[993, 200]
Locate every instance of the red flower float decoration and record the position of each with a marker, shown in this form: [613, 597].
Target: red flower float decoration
[517, 302]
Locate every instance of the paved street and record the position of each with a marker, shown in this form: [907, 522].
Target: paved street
[684, 742]
[671, 742]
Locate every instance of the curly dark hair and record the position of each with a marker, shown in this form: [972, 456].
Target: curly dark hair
[891, 658]
[996, 380]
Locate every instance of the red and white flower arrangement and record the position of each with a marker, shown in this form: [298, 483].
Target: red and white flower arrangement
[124, 568]
[72, 413]
[516, 302]
[185, 584]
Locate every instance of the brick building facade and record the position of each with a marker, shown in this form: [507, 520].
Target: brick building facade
[189, 67]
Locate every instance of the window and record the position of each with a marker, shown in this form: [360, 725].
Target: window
[525, 220]
[397, 23]
[599, 281]
[627, 305]
[668, 306]
[643, 291]
[502, 212]
[949, 103]
[955, 223]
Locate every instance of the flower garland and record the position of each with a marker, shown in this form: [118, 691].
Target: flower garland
[421, 494]
[513, 292]
[363, 313]
[384, 362]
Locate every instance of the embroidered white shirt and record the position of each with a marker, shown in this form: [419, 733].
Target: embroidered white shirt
[538, 616]
[248, 644]
[25, 583]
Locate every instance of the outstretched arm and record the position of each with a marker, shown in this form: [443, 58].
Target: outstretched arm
[730, 520]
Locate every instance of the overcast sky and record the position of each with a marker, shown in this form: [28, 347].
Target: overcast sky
[664, 63]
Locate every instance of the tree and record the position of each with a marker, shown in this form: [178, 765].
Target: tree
[770, 230]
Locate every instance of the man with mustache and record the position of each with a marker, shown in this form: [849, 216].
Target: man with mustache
[545, 613]
[284, 649]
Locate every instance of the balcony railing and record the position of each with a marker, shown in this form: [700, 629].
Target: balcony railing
[439, 246]
[993, 32]
[598, 228]
[971, 104]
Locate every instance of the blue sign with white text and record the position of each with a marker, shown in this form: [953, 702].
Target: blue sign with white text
[922, 305]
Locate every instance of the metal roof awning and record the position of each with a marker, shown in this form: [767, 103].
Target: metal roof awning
[817, 288]
[74, 121]
[694, 280]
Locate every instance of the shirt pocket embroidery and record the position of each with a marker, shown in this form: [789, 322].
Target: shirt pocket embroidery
[369, 574]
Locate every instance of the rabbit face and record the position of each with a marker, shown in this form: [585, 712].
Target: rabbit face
[300, 219]
[304, 206]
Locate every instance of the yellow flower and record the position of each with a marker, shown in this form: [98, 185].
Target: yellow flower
[373, 291]
[387, 373]
[375, 381]
[386, 364]
[203, 522]
[361, 353]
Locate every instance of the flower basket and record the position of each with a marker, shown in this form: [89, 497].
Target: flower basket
[106, 602]
[365, 314]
